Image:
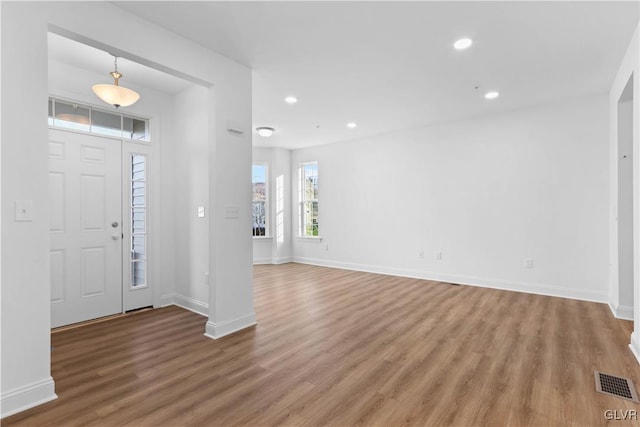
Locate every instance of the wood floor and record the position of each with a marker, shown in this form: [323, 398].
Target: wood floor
[342, 348]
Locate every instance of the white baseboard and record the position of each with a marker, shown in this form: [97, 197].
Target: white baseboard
[191, 304]
[621, 311]
[532, 288]
[27, 397]
[198, 307]
[221, 329]
[274, 261]
[635, 346]
[167, 300]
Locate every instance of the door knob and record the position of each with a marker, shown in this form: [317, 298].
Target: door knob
[115, 236]
[114, 224]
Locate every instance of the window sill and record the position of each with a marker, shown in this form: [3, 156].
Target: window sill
[316, 239]
[262, 237]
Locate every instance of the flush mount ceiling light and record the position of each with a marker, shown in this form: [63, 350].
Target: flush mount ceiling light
[115, 94]
[291, 100]
[463, 44]
[352, 125]
[265, 132]
[491, 95]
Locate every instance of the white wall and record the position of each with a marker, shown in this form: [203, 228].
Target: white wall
[25, 317]
[25, 328]
[624, 306]
[630, 66]
[487, 193]
[275, 249]
[190, 165]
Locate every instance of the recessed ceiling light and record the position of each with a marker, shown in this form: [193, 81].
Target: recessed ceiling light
[491, 95]
[291, 100]
[352, 125]
[463, 43]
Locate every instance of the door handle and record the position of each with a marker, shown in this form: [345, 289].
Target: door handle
[115, 236]
[114, 224]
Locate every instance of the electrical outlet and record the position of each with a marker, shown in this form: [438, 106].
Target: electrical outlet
[528, 262]
[439, 256]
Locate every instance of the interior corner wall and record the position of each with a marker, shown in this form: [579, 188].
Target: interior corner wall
[189, 158]
[26, 376]
[630, 66]
[276, 248]
[487, 194]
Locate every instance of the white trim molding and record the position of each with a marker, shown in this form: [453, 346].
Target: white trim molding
[621, 311]
[198, 307]
[274, 261]
[531, 288]
[167, 300]
[27, 397]
[227, 327]
[635, 346]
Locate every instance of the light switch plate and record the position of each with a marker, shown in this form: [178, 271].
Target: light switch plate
[24, 210]
[200, 211]
[231, 211]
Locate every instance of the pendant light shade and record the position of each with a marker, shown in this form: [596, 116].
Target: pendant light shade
[115, 94]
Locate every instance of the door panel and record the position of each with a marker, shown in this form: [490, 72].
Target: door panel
[86, 250]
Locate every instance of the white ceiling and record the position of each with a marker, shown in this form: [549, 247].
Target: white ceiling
[79, 55]
[391, 65]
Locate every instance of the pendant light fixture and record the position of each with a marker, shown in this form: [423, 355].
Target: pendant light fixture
[115, 94]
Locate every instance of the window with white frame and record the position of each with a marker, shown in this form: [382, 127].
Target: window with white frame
[138, 216]
[308, 208]
[85, 118]
[260, 199]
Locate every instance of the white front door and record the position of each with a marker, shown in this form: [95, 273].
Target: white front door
[85, 188]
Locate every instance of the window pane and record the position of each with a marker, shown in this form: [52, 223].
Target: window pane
[71, 116]
[259, 218]
[138, 273]
[137, 168]
[259, 182]
[106, 123]
[137, 194]
[137, 247]
[138, 216]
[140, 130]
[309, 199]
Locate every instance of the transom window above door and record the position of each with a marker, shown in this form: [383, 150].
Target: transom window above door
[85, 118]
